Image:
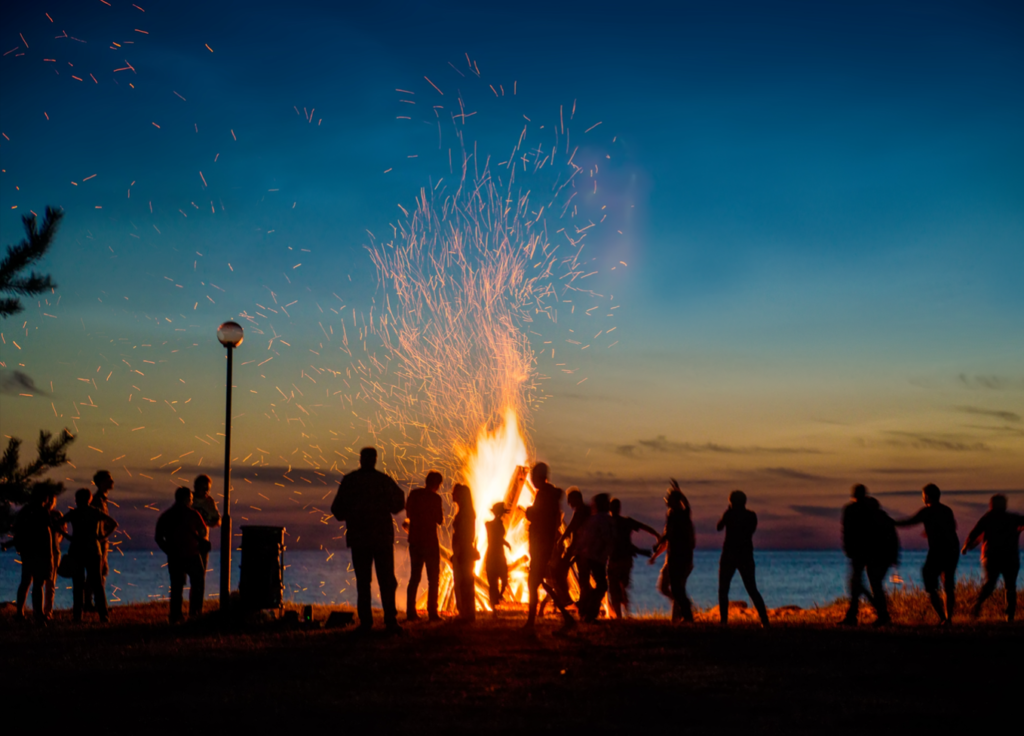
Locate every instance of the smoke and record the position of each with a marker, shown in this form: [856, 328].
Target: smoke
[14, 383]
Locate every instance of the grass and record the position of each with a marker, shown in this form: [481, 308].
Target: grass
[804, 675]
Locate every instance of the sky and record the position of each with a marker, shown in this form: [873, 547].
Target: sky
[815, 218]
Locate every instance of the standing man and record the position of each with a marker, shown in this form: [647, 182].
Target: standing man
[104, 484]
[203, 503]
[861, 527]
[620, 564]
[999, 532]
[544, 516]
[943, 550]
[679, 540]
[90, 528]
[739, 523]
[182, 534]
[597, 538]
[366, 500]
[424, 514]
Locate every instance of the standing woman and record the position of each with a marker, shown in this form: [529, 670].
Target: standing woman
[90, 528]
[464, 554]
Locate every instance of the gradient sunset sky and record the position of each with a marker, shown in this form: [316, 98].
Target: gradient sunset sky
[816, 219]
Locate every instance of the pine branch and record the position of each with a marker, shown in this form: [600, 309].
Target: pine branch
[19, 257]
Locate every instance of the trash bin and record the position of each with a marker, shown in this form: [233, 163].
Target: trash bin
[261, 584]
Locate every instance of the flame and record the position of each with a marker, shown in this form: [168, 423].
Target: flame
[497, 458]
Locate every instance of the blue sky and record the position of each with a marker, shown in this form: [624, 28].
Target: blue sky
[821, 210]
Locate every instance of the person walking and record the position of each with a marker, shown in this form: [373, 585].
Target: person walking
[184, 537]
[90, 528]
[104, 483]
[34, 532]
[943, 550]
[679, 540]
[869, 541]
[495, 564]
[424, 515]
[205, 504]
[464, 552]
[597, 537]
[739, 524]
[998, 530]
[620, 564]
[545, 516]
[366, 501]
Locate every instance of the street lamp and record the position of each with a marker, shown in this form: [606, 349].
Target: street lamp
[230, 335]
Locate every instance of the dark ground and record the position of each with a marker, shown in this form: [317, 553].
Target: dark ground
[493, 677]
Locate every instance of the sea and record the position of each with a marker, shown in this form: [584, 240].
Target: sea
[801, 578]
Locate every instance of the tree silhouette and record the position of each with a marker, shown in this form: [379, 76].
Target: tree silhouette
[17, 483]
[21, 256]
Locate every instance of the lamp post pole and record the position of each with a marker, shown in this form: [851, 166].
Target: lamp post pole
[230, 335]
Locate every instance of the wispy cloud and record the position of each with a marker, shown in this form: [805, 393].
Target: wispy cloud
[791, 474]
[1006, 416]
[927, 441]
[664, 446]
[992, 383]
[819, 512]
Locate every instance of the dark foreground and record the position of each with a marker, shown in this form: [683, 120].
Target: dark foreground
[798, 677]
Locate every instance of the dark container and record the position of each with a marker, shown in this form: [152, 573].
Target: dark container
[261, 584]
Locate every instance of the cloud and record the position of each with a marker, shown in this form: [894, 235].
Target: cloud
[911, 471]
[819, 512]
[662, 445]
[1006, 416]
[925, 441]
[791, 474]
[16, 382]
[992, 383]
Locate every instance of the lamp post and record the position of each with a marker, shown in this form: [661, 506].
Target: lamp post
[230, 335]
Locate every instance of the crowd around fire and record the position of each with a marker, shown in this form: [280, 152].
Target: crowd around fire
[592, 554]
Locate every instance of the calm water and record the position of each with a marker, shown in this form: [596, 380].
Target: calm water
[800, 578]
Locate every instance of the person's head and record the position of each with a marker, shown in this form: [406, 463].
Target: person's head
[462, 496]
[368, 458]
[574, 497]
[997, 502]
[103, 481]
[498, 510]
[602, 503]
[434, 480]
[202, 485]
[931, 494]
[539, 474]
[82, 497]
[616, 507]
[859, 492]
[674, 498]
[738, 499]
[183, 496]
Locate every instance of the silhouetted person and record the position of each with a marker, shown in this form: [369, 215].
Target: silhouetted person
[739, 523]
[943, 550]
[495, 564]
[204, 503]
[565, 551]
[34, 531]
[620, 564]
[464, 553]
[870, 543]
[183, 536]
[544, 516]
[104, 484]
[365, 502]
[90, 528]
[999, 532]
[679, 540]
[597, 538]
[424, 514]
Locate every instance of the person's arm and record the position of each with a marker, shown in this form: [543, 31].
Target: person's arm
[396, 497]
[913, 520]
[721, 522]
[339, 507]
[161, 534]
[639, 526]
[108, 523]
[214, 513]
[972, 539]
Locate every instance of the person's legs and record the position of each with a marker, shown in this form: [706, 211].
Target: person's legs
[49, 591]
[726, 569]
[876, 579]
[586, 602]
[23, 586]
[433, 582]
[38, 613]
[992, 572]
[617, 572]
[176, 568]
[600, 575]
[493, 596]
[416, 563]
[679, 571]
[1010, 573]
[78, 591]
[856, 590]
[949, 583]
[384, 564]
[362, 564]
[930, 574]
[750, 583]
[197, 587]
[534, 581]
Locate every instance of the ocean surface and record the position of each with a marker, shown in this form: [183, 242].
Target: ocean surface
[802, 578]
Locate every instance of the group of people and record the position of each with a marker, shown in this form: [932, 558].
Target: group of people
[871, 542]
[39, 528]
[596, 543]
